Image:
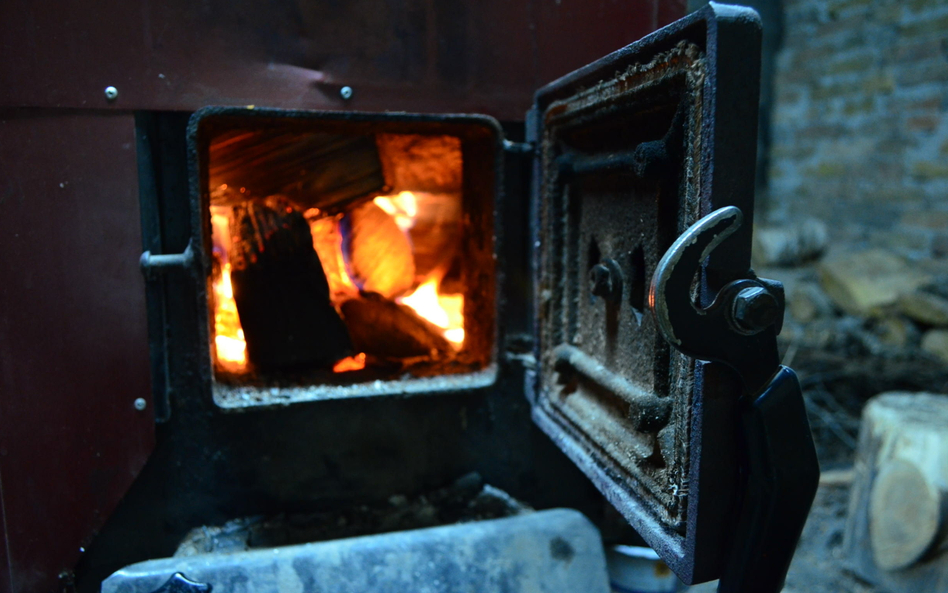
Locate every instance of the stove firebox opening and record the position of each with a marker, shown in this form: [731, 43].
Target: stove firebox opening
[340, 259]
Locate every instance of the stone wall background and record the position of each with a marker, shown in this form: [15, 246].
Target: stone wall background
[859, 133]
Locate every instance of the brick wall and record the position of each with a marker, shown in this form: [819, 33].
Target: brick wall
[859, 125]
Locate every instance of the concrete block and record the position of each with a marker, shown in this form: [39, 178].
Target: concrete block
[556, 551]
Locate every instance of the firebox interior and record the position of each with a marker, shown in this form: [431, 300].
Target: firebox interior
[341, 253]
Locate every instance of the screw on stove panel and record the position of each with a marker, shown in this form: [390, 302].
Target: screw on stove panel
[111, 93]
[346, 93]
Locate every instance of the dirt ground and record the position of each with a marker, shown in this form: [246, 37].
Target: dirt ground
[819, 566]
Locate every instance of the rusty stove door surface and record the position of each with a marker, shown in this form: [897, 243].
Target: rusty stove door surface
[630, 151]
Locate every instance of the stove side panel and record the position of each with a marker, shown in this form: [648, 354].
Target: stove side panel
[73, 337]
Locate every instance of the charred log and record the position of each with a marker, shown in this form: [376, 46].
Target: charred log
[383, 328]
[280, 289]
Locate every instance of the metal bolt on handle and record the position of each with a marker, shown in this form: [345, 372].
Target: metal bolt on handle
[754, 310]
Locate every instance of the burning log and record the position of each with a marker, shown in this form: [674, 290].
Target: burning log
[280, 289]
[380, 255]
[380, 327]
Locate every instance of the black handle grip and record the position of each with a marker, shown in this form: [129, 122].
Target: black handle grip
[782, 476]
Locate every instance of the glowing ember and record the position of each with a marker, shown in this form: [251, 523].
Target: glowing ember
[351, 363]
[444, 310]
[403, 207]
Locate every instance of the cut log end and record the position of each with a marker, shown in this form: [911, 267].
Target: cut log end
[904, 515]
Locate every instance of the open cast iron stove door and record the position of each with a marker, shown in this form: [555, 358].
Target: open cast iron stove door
[633, 149]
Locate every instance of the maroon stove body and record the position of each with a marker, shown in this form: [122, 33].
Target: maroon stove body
[76, 408]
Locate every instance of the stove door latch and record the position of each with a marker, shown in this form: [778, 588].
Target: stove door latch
[739, 329]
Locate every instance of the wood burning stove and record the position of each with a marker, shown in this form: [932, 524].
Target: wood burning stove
[319, 239]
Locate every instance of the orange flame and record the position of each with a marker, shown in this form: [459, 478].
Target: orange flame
[403, 207]
[444, 310]
[229, 336]
[229, 339]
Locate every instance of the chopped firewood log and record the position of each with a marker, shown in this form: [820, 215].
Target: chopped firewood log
[383, 328]
[280, 289]
[380, 254]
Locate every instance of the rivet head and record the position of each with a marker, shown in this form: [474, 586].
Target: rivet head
[140, 404]
[111, 93]
[754, 309]
[346, 92]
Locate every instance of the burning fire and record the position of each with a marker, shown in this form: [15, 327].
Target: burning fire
[402, 207]
[444, 310]
[228, 335]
